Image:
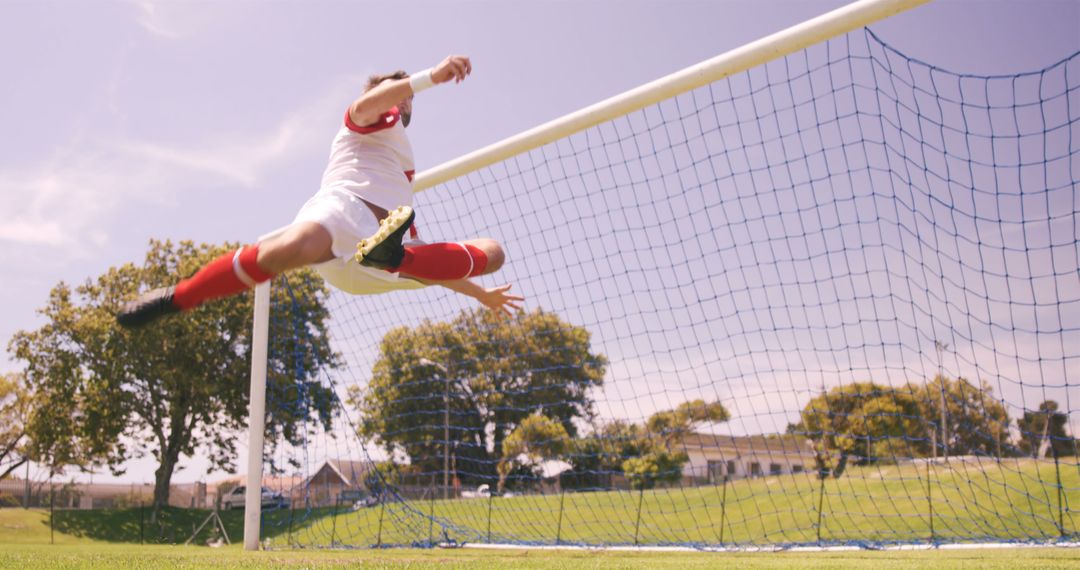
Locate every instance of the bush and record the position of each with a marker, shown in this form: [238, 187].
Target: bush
[656, 467]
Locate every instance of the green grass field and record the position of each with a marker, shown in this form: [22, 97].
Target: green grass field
[886, 504]
[881, 505]
[25, 544]
[26, 557]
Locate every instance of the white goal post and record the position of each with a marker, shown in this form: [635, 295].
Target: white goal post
[837, 22]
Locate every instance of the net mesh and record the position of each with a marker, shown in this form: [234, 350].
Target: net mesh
[834, 299]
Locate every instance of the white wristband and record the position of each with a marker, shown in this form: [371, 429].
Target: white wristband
[421, 80]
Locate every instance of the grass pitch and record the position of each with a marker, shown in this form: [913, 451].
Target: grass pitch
[25, 536]
[988, 501]
[111, 556]
[869, 505]
[997, 501]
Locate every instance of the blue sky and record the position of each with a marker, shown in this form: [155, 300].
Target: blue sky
[127, 121]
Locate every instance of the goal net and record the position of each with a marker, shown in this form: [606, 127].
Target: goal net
[830, 299]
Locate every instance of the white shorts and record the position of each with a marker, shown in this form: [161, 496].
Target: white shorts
[349, 220]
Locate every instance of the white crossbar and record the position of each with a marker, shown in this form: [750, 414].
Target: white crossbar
[800, 36]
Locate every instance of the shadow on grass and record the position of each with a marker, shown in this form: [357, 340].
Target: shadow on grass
[174, 525]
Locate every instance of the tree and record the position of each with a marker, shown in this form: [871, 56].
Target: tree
[56, 430]
[663, 460]
[14, 408]
[595, 458]
[536, 439]
[383, 476]
[104, 394]
[647, 455]
[658, 466]
[863, 421]
[673, 425]
[975, 422]
[1043, 432]
[486, 375]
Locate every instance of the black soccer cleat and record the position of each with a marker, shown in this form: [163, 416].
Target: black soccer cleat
[384, 250]
[147, 308]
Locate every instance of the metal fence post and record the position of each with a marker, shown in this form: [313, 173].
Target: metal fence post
[637, 525]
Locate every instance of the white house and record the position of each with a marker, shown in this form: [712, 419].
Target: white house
[713, 457]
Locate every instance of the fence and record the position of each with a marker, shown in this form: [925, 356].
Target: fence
[84, 496]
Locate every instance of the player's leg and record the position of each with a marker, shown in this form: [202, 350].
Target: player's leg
[492, 250]
[301, 244]
[452, 260]
[429, 262]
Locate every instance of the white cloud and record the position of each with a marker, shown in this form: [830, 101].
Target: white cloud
[240, 159]
[72, 198]
[34, 232]
[154, 18]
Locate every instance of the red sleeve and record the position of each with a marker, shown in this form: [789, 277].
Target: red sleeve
[387, 120]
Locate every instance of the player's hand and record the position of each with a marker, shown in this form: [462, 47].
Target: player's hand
[500, 301]
[455, 67]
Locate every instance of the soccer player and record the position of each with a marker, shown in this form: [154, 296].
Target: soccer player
[351, 231]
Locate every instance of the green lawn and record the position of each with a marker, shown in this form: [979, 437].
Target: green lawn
[1016, 499]
[111, 557]
[870, 505]
[96, 541]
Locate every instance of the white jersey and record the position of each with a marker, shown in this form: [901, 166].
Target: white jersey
[374, 162]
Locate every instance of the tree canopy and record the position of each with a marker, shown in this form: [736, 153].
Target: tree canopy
[536, 439]
[487, 374]
[14, 409]
[862, 420]
[1043, 432]
[104, 394]
[975, 421]
[867, 422]
[647, 454]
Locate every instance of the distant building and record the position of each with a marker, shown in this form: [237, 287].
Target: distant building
[334, 478]
[90, 495]
[713, 457]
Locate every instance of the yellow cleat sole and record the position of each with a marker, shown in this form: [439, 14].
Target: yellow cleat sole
[390, 224]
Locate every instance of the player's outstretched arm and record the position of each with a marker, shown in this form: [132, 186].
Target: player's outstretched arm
[372, 104]
[498, 299]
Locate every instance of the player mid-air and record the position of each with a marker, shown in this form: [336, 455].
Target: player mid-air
[351, 231]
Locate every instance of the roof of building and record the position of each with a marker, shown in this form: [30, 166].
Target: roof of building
[347, 471]
[749, 444]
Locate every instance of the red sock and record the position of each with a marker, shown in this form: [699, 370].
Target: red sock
[227, 275]
[443, 261]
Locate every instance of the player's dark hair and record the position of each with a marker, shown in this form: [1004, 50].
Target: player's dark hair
[377, 79]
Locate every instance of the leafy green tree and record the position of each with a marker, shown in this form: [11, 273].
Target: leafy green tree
[58, 434]
[658, 466]
[974, 421]
[864, 422]
[386, 475]
[673, 425]
[597, 457]
[486, 375]
[104, 394]
[14, 409]
[662, 460]
[1045, 430]
[647, 454]
[536, 439]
